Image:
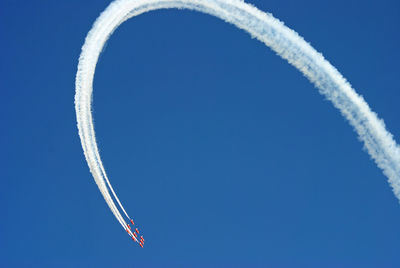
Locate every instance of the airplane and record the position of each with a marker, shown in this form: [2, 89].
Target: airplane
[137, 230]
[132, 222]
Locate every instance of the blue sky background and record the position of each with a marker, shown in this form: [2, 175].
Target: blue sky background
[224, 154]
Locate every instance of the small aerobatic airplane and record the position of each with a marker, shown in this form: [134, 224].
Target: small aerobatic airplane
[134, 234]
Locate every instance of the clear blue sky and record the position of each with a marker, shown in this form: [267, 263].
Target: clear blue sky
[224, 154]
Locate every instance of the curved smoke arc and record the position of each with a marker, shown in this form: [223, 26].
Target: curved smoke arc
[378, 142]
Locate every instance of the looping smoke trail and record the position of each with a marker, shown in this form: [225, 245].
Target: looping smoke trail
[378, 142]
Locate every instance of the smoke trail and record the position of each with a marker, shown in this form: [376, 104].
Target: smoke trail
[285, 42]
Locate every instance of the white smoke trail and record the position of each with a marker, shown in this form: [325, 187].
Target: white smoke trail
[285, 42]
